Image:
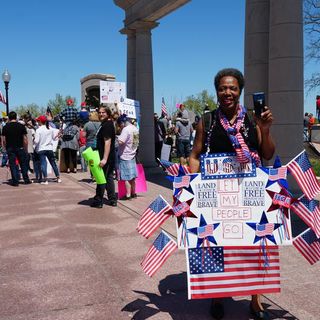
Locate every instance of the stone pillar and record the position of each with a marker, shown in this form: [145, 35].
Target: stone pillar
[286, 76]
[144, 89]
[131, 62]
[256, 51]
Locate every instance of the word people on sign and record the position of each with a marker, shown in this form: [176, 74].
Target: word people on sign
[231, 214]
[224, 165]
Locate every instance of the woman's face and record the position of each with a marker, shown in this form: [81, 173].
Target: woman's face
[102, 114]
[228, 93]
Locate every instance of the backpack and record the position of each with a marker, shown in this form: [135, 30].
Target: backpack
[68, 133]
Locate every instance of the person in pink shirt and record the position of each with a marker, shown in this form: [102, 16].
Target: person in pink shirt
[128, 141]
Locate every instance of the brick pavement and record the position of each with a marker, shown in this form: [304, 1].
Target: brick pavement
[61, 259]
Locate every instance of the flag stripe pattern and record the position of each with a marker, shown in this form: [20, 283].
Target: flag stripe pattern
[303, 173]
[172, 168]
[153, 217]
[308, 245]
[277, 173]
[309, 212]
[163, 107]
[2, 98]
[158, 253]
[180, 182]
[231, 271]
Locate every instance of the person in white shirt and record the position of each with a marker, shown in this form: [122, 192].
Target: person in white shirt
[43, 141]
[128, 144]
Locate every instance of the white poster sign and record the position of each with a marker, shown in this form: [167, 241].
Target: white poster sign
[129, 107]
[241, 210]
[112, 92]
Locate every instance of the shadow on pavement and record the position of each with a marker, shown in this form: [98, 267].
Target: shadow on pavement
[157, 175]
[173, 300]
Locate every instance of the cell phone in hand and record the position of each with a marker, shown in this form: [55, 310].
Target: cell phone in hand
[259, 102]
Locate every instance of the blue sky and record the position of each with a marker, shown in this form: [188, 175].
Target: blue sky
[48, 46]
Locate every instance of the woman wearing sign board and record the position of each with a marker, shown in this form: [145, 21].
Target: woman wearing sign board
[229, 129]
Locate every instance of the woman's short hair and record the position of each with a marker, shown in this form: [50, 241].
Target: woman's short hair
[229, 72]
[93, 116]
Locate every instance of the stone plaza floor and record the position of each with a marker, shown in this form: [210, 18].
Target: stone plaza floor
[62, 259]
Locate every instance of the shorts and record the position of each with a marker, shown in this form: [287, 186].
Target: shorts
[127, 169]
[183, 148]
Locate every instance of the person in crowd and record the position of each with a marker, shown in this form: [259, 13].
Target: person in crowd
[311, 122]
[69, 114]
[91, 129]
[128, 142]
[105, 145]
[82, 147]
[15, 143]
[164, 120]
[159, 136]
[31, 131]
[183, 131]
[83, 114]
[318, 107]
[70, 146]
[44, 139]
[255, 142]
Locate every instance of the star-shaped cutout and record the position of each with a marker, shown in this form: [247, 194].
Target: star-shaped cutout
[277, 170]
[181, 210]
[281, 200]
[264, 229]
[204, 231]
[187, 188]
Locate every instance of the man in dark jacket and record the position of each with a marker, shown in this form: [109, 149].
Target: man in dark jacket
[15, 143]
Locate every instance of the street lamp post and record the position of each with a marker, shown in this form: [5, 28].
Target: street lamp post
[6, 77]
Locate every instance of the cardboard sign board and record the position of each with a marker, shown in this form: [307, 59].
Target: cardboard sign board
[112, 92]
[129, 107]
[242, 210]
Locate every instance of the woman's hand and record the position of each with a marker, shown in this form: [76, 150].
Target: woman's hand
[102, 163]
[266, 119]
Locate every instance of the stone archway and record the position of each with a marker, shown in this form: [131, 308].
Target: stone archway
[273, 64]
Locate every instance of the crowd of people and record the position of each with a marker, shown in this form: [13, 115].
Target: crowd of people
[29, 144]
[177, 133]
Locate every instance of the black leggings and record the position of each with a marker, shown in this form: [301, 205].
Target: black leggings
[70, 156]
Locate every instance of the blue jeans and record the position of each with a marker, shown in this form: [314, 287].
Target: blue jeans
[20, 154]
[37, 165]
[43, 163]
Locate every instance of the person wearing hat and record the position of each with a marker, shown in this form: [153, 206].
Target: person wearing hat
[128, 141]
[43, 141]
[70, 113]
[15, 143]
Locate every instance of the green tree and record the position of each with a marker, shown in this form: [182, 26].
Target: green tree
[33, 109]
[59, 103]
[197, 103]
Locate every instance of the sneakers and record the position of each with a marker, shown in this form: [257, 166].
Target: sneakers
[28, 182]
[44, 182]
[59, 180]
[112, 203]
[96, 204]
[125, 198]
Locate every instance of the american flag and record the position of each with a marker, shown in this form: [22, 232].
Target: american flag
[227, 165]
[277, 173]
[158, 253]
[205, 231]
[171, 168]
[2, 98]
[309, 212]
[231, 271]
[308, 245]
[303, 173]
[180, 182]
[163, 107]
[153, 217]
[265, 229]
[180, 209]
